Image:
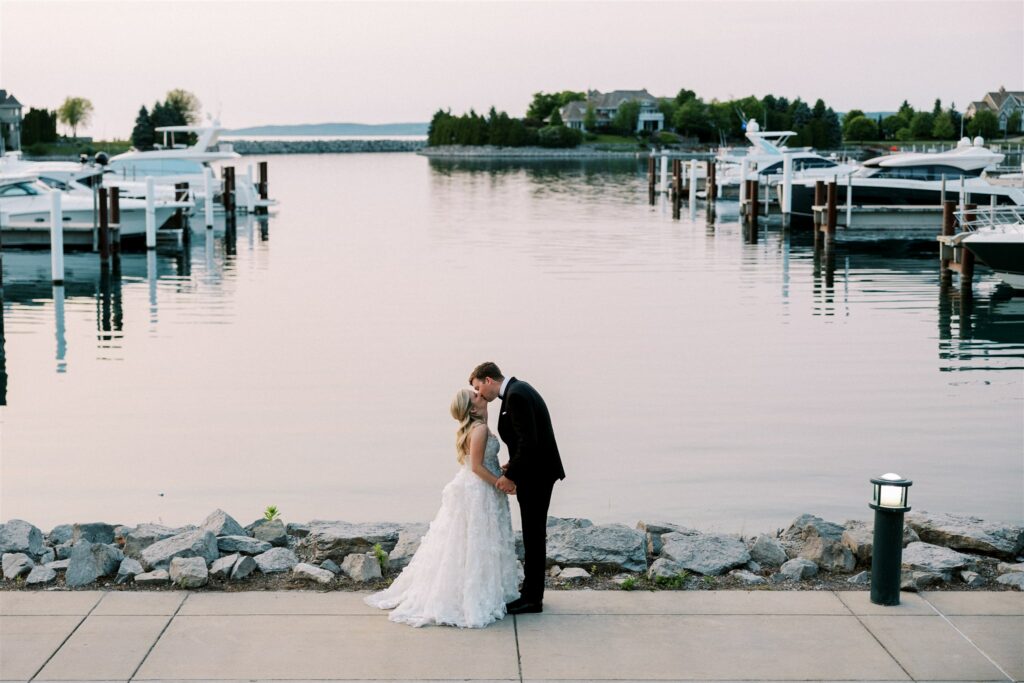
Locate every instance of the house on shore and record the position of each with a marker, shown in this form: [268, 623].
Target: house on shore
[606, 106]
[10, 122]
[1003, 103]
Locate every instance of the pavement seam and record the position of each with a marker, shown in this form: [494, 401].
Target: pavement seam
[68, 637]
[519, 657]
[158, 637]
[874, 637]
[964, 636]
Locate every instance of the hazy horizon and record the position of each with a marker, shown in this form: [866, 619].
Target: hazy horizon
[275, 63]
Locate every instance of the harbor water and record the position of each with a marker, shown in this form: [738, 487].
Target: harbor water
[694, 376]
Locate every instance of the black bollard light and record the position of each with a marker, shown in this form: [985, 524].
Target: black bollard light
[889, 502]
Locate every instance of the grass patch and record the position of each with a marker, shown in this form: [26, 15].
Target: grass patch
[74, 148]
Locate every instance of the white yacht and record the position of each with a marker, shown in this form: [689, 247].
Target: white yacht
[996, 237]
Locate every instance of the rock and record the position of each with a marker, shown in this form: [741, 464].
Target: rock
[925, 557]
[1006, 567]
[814, 539]
[59, 565]
[337, 540]
[128, 570]
[797, 569]
[768, 551]
[222, 524]
[620, 579]
[573, 574]
[913, 581]
[663, 568]
[144, 535]
[972, 579]
[63, 551]
[754, 566]
[578, 542]
[962, 532]
[156, 577]
[198, 543]
[16, 564]
[242, 544]
[276, 560]
[858, 536]
[297, 529]
[47, 556]
[94, 532]
[1015, 579]
[189, 572]
[121, 532]
[40, 575]
[408, 543]
[270, 531]
[331, 566]
[89, 561]
[861, 579]
[18, 536]
[748, 578]
[554, 571]
[60, 534]
[243, 568]
[221, 567]
[708, 554]
[309, 572]
[361, 567]
[653, 533]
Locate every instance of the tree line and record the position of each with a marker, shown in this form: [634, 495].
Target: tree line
[499, 129]
[179, 108]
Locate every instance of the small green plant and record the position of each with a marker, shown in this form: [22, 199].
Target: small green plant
[709, 581]
[629, 583]
[593, 570]
[271, 513]
[673, 582]
[382, 557]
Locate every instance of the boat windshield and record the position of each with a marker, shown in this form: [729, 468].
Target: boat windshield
[800, 165]
[928, 172]
[155, 167]
[19, 190]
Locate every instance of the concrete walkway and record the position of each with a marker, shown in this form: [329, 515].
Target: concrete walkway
[582, 635]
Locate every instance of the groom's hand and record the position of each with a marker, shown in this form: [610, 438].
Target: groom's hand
[505, 485]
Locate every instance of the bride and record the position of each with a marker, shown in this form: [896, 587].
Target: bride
[465, 569]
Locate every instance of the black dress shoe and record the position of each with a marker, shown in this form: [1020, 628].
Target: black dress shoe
[524, 607]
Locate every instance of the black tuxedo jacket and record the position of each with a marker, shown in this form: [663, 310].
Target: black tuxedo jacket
[525, 427]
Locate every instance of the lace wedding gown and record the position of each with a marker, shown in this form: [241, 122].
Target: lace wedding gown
[465, 569]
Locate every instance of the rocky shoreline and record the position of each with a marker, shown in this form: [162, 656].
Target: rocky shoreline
[261, 147]
[941, 552]
[490, 152]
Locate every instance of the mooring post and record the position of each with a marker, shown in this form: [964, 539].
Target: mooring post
[693, 181]
[208, 197]
[753, 202]
[181, 193]
[650, 171]
[264, 188]
[948, 220]
[744, 163]
[104, 229]
[56, 238]
[713, 192]
[150, 213]
[819, 201]
[677, 187]
[787, 184]
[830, 217]
[849, 199]
[115, 221]
[663, 185]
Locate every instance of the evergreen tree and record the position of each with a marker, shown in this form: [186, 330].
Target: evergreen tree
[556, 118]
[143, 135]
[590, 119]
[38, 125]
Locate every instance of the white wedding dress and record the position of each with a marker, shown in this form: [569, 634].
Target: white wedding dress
[465, 569]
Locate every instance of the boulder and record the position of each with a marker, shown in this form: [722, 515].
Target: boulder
[858, 536]
[708, 554]
[972, 579]
[768, 552]
[243, 568]
[89, 561]
[16, 564]
[337, 540]
[748, 578]
[47, 556]
[913, 581]
[962, 532]
[40, 575]
[331, 566]
[298, 529]
[861, 579]
[276, 560]
[189, 572]
[1015, 579]
[361, 567]
[554, 571]
[814, 539]
[221, 568]
[198, 543]
[578, 542]
[1007, 567]
[408, 543]
[18, 536]
[63, 551]
[271, 531]
[925, 557]
[94, 532]
[663, 568]
[128, 570]
[144, 535]
[653, 532]
[242, 544]
[309, 572]
[60, 534]
[59, 565]
[797, 569]
[754, 566]
[573, 574]
[222, 524]
[154, 578]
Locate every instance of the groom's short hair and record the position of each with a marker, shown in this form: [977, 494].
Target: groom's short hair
[485, 370]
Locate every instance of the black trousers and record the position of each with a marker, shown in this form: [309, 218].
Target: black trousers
[534, 499]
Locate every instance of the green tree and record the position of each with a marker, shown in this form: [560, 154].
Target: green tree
[891, 124]
[848, 118]
[860, 128]
[143, 135]
[38, 125]
[921, 125]
[185, 103]
[75, 112]
[627, 117]
[943, 128]
[937, 108]
[1013, 123]
[692, 120]
[684, 96]
[542, 104]
[556, 118]
[983, 123]
[590, 118]
[906, 112]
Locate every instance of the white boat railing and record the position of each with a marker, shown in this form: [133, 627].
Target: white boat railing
[990, 217]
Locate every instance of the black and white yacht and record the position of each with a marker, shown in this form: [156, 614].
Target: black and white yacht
[996, 238]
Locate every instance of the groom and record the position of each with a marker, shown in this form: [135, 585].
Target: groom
[533, 467]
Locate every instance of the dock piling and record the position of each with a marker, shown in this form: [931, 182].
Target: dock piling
[787, 185]
[830, 216]
[663, 185]
[150, 213]
[56, 238]
[208, 197]
[693, 182]
[115, 221]
[263, 186]
[104, 229]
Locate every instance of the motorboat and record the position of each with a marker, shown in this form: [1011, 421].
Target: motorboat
[995, 235]
[918, 179]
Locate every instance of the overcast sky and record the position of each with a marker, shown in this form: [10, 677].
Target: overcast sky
[253, 63]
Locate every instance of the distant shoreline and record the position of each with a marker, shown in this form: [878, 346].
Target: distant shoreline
[260, 147]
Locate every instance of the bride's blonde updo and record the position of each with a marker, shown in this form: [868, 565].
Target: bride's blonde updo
[461, 409]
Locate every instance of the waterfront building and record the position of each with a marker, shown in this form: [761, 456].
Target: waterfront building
[1003, 103]
[10, 122]
[606, 106]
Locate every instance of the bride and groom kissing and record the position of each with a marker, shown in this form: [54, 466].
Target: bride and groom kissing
[465, 571]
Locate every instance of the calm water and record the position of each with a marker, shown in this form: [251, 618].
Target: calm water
[693, 377]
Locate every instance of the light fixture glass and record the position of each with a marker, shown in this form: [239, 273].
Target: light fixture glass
[890, 491]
